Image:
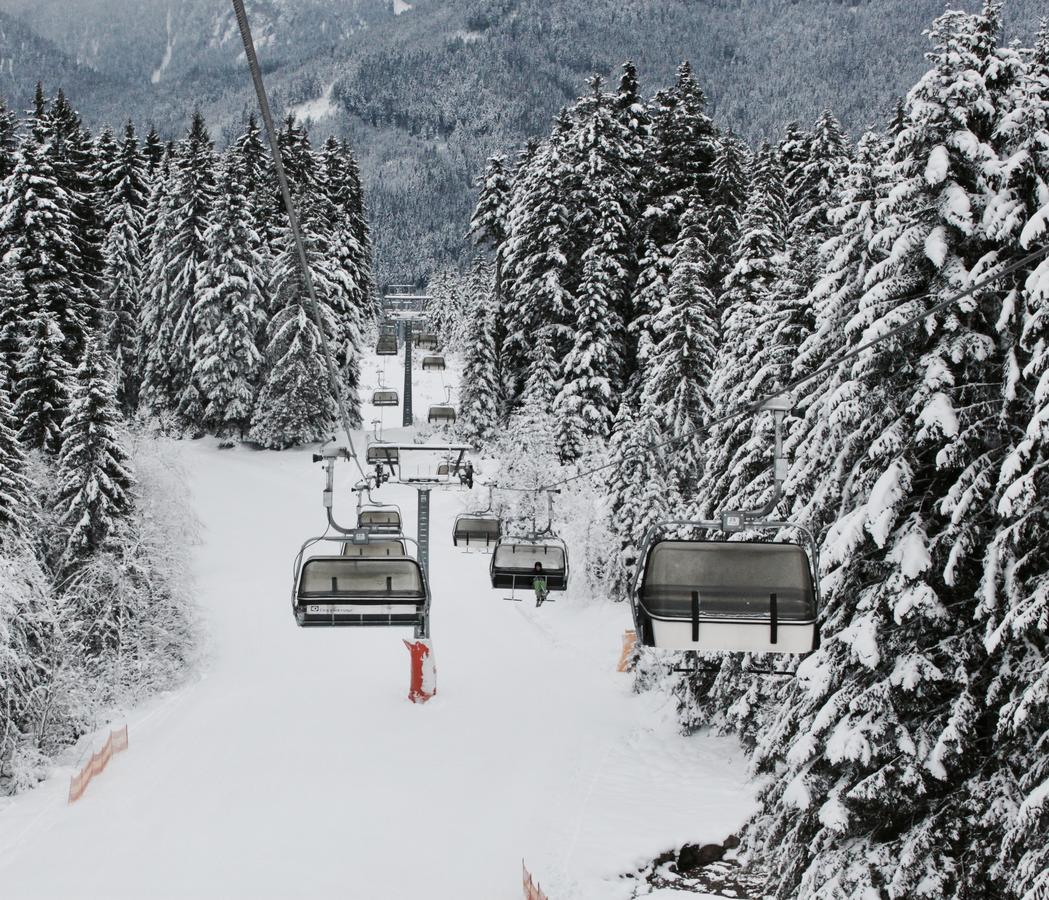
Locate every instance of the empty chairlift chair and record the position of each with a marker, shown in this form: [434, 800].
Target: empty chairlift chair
[425, 341]
[433, 363]
[514, 559]
[735, 596]
[442, 414]
[380, 519]
[361, 591]
[476, 530]
[384, 397]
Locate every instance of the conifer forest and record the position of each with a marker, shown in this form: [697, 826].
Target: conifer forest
[640, 282]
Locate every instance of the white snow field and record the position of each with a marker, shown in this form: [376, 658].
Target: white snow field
[294, 765]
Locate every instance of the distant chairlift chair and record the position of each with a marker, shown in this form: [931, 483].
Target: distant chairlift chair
[442, 414]
[433, 364]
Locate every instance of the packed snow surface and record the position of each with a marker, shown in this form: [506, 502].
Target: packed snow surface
[294, 766]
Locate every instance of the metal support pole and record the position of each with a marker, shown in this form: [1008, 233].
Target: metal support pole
[409, 418]
[424, 530]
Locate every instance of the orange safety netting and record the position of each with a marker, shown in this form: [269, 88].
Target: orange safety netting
[629, 642]
[531, 888]
[115, 743]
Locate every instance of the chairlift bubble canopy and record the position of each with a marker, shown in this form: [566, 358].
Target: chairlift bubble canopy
[733, 596]
[385, 398]
[435, 363]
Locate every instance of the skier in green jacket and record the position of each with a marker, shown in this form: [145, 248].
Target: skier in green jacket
[539, 584]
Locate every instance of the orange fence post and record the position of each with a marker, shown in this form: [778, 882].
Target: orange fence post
[629, 642]
[424, 673]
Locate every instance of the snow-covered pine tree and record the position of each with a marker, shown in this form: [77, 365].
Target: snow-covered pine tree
[679, 153]
[296, 405]
[639, 494]
[152, 151]
[8, 140]
[104, 159]
[826, 440]
[541, 250]
[878, 748]
[479, 393]
[812, 176]
[158, 359]
[728, 194]
[677, 379]
[42, 386]
[28, 632]
[737, 451]
[70, 150]
[191, 200]
[93, 477]
[37, 236]
[128, 178]
[121, 304]
[1015, 601]
[586, 402]
[15, 488]
[122, 277]
[228, 308]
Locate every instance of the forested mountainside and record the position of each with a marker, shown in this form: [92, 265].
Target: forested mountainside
[428, 94]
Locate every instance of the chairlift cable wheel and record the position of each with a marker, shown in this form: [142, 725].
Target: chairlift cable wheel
[293, 221]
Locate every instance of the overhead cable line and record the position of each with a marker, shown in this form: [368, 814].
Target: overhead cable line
[293, 221]
[755, 405]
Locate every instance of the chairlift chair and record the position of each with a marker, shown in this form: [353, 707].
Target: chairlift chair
[433, 363]
[425, 340]
[477, 529]
[386, 345]
[514, 559]
[442, 414]
[735, 596]
[380, 519]
[361, 591]
[385, 398]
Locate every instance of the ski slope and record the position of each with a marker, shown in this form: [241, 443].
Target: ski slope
[294, 766]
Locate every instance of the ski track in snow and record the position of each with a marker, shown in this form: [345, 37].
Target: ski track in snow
[294, 766]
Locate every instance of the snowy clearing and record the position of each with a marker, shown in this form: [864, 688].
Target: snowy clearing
[294, 765]
[316, 109]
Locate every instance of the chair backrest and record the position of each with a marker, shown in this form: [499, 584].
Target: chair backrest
[342, 576]
[375, 548]
[379, 517]
[728, 575]
[523, 556]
